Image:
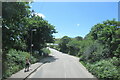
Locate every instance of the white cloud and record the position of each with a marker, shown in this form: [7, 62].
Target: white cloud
[78, 24]
[40, 15]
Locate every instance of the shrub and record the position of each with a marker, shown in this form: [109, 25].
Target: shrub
[46, 51]
[15, 62]
[115, 61]
[51, 46]
[104, 69]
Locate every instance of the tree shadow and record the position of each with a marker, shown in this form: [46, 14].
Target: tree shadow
[48, 59]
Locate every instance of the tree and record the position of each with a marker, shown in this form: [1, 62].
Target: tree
[14, 14]
[18, 23]
[63, 44]
[107, 34]
[74, 47]
[42, 35]
[78, 38]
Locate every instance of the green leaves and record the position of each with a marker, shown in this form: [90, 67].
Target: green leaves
[104, 60]
[18, 24]
[104, 69]
[18, 36]
[99, 50]
[63, 44]
[14, 14]
[45, 51]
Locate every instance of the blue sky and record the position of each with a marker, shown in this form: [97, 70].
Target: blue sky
[75, 18]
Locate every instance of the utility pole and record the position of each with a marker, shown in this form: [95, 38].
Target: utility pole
[31, 41]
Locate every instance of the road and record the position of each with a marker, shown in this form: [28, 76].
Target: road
[61, 65]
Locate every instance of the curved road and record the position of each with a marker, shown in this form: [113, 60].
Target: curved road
[61, 65]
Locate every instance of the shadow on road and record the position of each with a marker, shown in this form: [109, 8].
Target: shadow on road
[48, 59]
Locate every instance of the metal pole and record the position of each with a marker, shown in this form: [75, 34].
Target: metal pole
[31, 45]
[31, 40]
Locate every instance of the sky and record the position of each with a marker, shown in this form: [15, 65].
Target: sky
[75, 18]
[76, 0]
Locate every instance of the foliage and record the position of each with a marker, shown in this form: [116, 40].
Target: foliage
[63, 44]
[99, 51]
[51, 46]
[102, 55]
[73, 47]
[42, 35]
[18, 35]
[104, 69]
[18, 26]
[46, 50]
[107, 34]
[57, 41]
[14, 14]
[78, 38]
[16, 61]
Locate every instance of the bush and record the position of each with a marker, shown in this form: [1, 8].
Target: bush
[45, 51]
[115, 61]
[73, 47]
[15, 62]
[51, 46]
[104, 69]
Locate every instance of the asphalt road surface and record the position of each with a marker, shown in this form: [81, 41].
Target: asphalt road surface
[61, 65]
